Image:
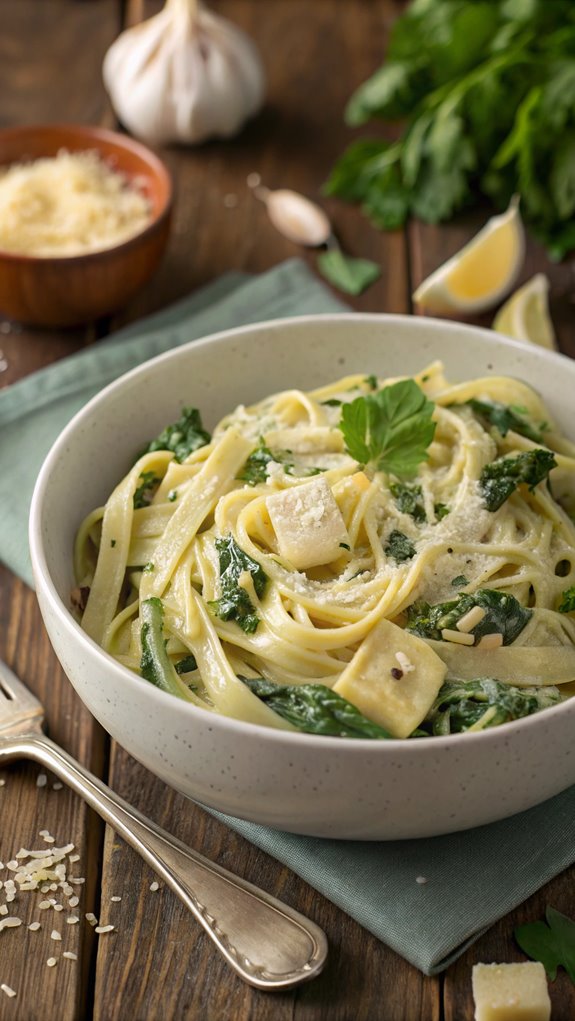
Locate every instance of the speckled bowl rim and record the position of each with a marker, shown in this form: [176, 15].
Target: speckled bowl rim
[237, 727]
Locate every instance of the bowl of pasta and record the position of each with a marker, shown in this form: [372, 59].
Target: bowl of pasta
[323, 577]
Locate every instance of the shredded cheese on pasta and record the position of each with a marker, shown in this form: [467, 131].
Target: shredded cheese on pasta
[338, 616]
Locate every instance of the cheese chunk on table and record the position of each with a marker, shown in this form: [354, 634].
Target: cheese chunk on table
[511, 992]
[393, 678]
[308, 524]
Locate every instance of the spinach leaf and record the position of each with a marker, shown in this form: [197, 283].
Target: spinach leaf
[399, 547]
[390, 429]
[186, 665]
[315, 709]
[145, 491]
[483, 703]
[441, 511]
[409, 499]
[567, 604]
[234, 602]
[500, 478]
[183, 437]
[155, 664]
[255, 472]
[459, 581]
[553, 944]
[504, 418]
[503, 615]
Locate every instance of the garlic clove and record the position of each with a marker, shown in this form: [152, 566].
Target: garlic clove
[296, 217]
[184, 75]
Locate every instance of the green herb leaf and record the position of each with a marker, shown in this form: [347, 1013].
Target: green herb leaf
[441, 511]
[183, 437]
[459, 581]
[500, 479]
[186, 665]
[503, 615]
[144, 493]
[254, 470]
[155, 664]
[352, 276]
[482, 704]
[553, 944]
[399, 547]
[315, 709]
[409, 499]
[234, 602]
[567, 604]
[391, 429]
[505, 418]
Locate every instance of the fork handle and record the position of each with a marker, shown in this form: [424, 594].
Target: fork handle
[268, 944]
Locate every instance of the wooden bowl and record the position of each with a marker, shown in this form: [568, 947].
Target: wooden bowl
[51, 291]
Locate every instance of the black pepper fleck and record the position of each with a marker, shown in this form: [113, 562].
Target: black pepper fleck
[396, 673]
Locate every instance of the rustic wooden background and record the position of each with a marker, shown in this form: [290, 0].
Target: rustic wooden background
[158, 964]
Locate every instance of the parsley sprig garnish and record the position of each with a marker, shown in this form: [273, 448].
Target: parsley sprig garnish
[390, 430]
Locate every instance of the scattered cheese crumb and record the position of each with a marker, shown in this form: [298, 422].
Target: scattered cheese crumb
[57, 786]
[104, 928]
[422, 880]
[116, 899]
[41, 780]
[74, 901]
[72, 919]
[2, 783]
[154, 886]
[34, 926]
[91, 918]
[51, 962]
[70, 956]
[6, 989]
[55, 935]
[3, 909]
[10, 923]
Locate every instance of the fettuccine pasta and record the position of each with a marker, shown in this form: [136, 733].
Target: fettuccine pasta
[336, 563]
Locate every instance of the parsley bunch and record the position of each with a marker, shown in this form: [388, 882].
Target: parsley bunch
[486, 91]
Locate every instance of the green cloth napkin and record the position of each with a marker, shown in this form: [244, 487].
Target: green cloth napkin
[473, 878]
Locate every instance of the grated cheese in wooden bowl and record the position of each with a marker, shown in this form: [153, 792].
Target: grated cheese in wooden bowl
[67, 205]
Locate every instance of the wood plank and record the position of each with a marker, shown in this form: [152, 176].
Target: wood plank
[42, 45]
[159, 963]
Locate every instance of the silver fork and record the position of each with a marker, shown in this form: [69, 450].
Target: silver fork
[267, 943]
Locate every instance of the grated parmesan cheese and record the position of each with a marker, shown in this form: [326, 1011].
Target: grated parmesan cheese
[68, 205]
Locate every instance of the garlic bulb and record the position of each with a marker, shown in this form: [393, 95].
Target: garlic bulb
[184, 75]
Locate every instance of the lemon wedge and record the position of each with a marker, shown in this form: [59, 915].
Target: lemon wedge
[482, 273]
[525, 315]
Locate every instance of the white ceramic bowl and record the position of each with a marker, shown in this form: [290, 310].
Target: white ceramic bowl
[323, 786]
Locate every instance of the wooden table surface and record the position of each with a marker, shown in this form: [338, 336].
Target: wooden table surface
[158, 964]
